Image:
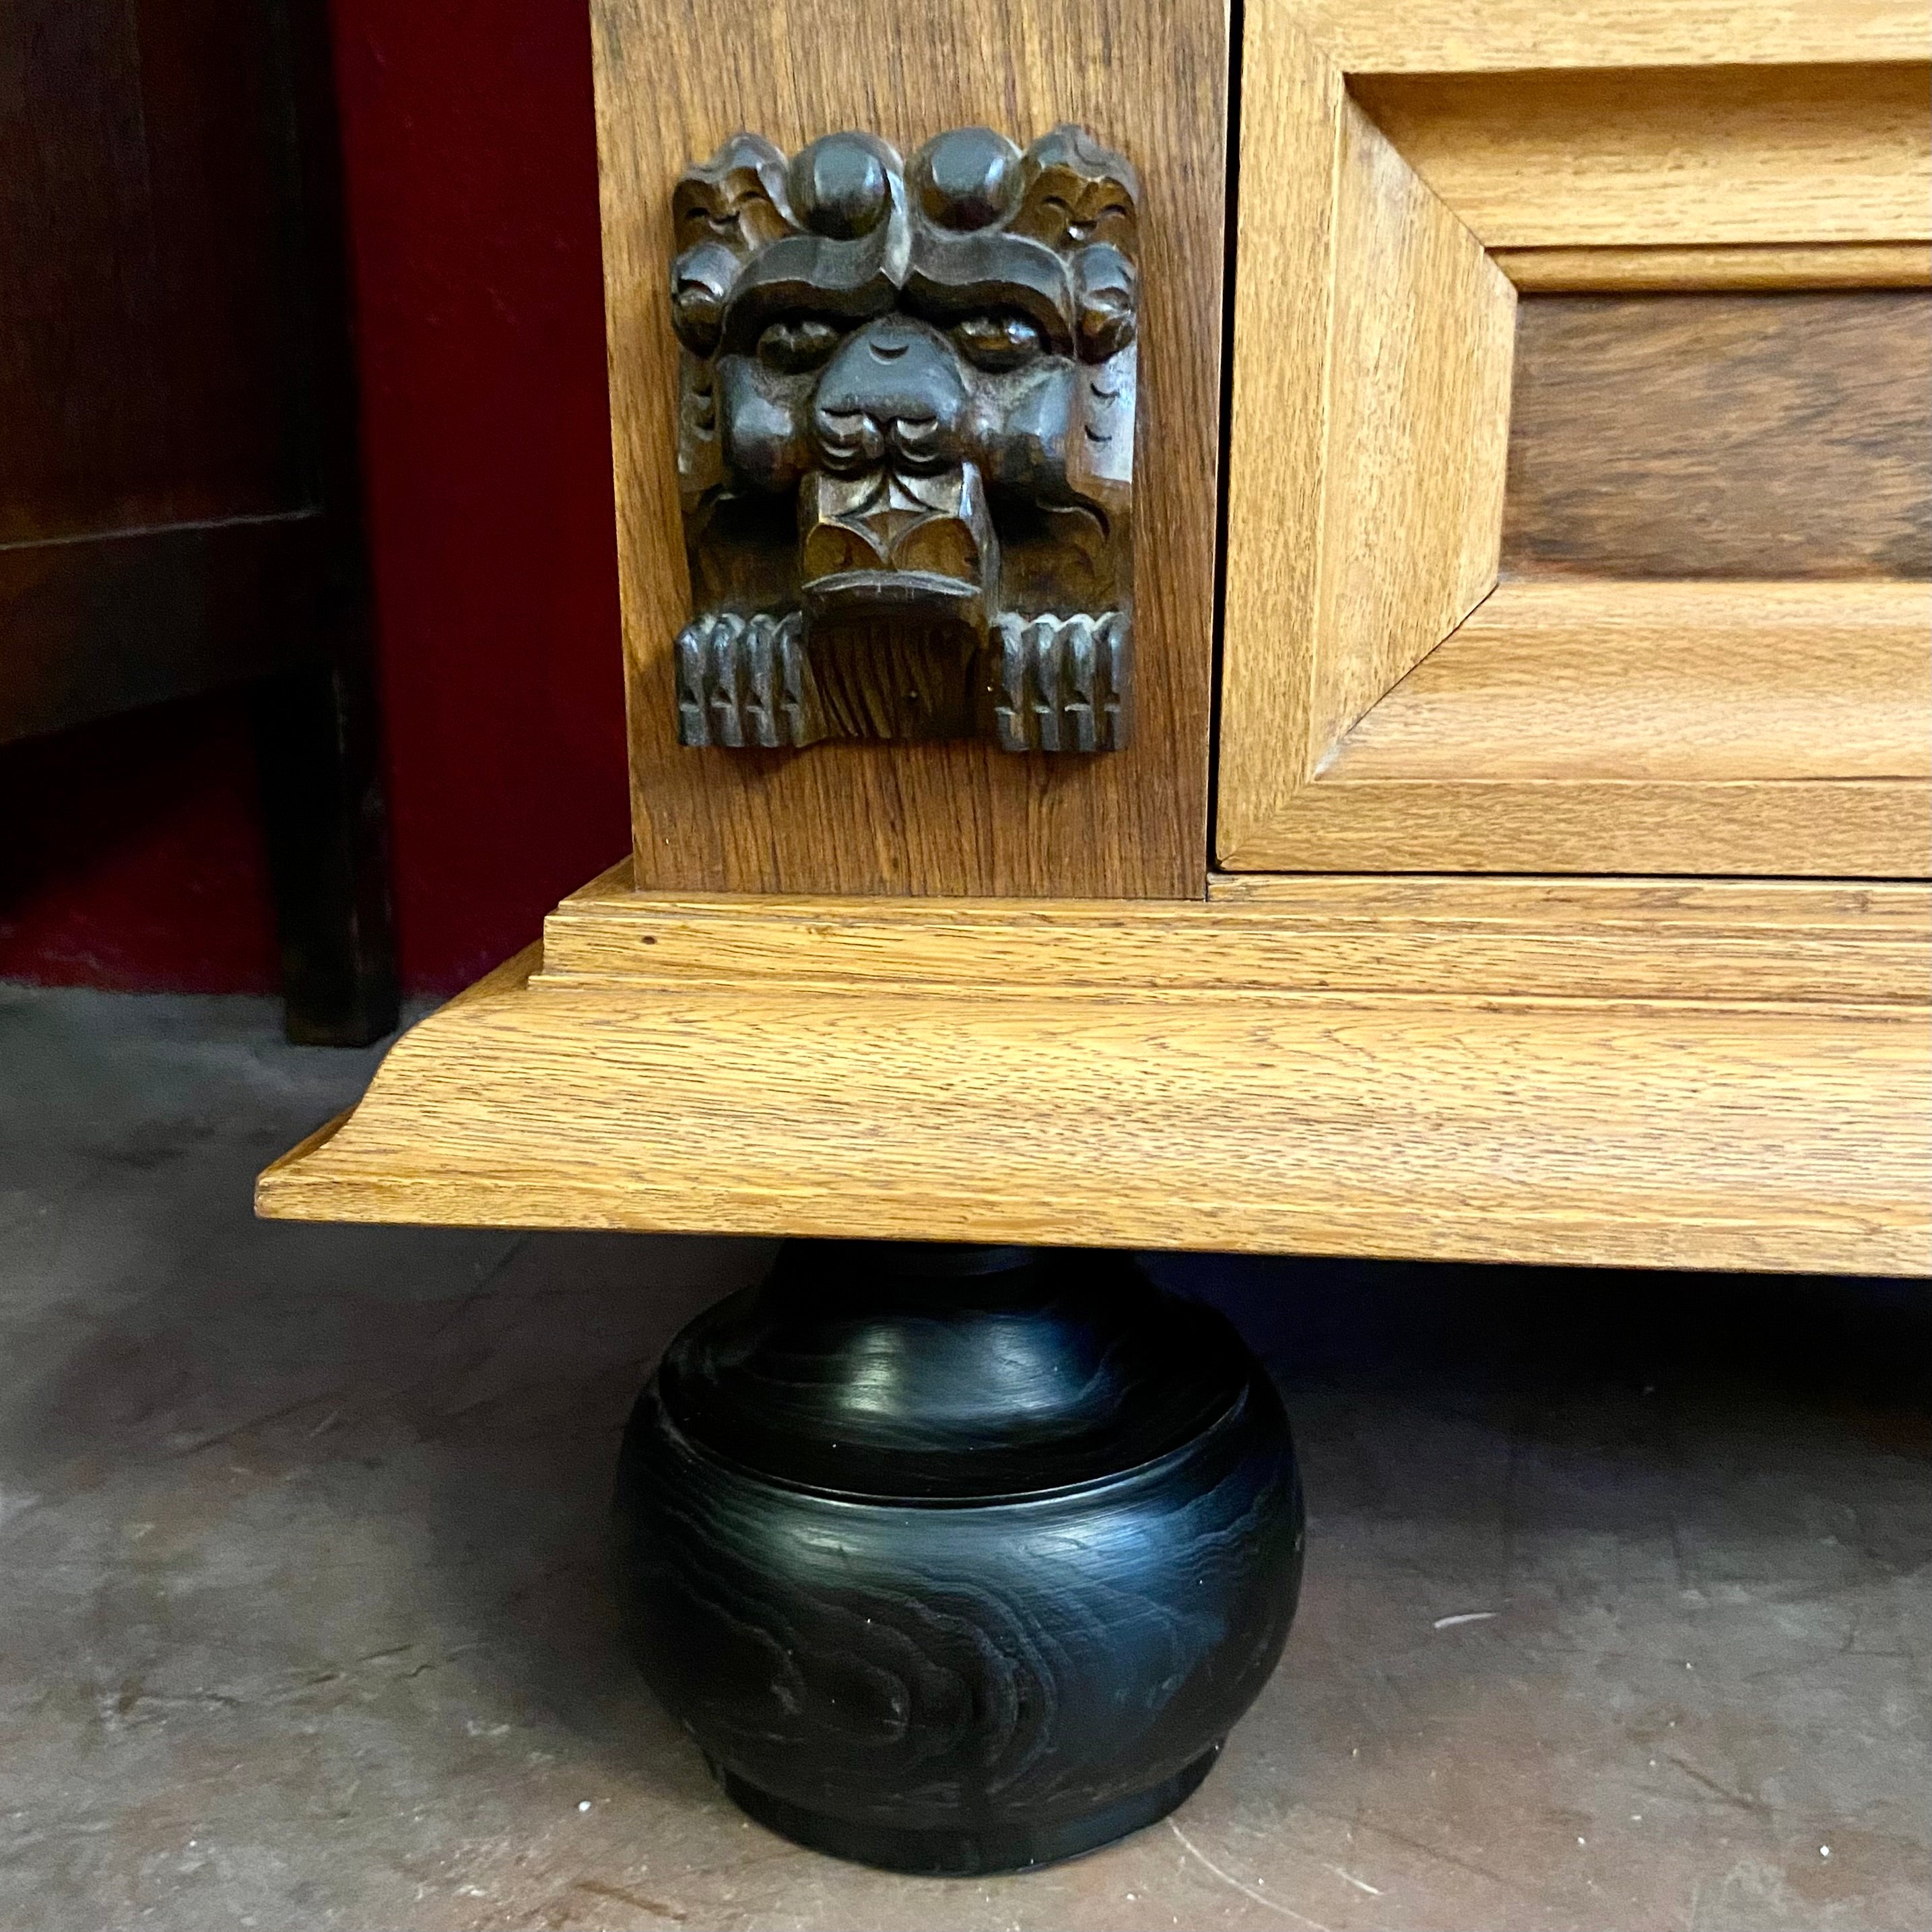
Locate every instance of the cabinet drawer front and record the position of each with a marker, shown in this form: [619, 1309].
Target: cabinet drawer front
[1578, 516]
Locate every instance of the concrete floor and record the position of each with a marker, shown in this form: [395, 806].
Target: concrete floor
[1616, 1612]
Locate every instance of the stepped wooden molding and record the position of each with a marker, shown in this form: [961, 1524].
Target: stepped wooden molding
[1641, 1072]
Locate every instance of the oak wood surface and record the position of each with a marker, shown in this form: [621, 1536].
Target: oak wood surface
[1447, 36]
[970, 1092]
[1292, 105]
[1809, 265]
[1585, 938]
[1749, 435]
[1654, 1071]
[1758, 436]
[1418, 425]
[1729, 154]
[1567, 679]
[1149, 79]
[1368, 430]
[1799, 828]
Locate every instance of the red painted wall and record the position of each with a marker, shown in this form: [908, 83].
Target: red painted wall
[133, 857]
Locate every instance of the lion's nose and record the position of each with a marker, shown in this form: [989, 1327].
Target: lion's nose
[893, 387]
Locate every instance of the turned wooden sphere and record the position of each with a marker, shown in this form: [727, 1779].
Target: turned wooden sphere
[958, 1559]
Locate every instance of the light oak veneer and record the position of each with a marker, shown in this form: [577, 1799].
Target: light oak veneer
[1344, 1074]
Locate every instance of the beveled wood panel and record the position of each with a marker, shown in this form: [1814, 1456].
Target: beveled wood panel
[981, 1099]
[1699, 155]
[1412, 493]
[1795, 265]
[1368, 431]
[1616, 140]
[1563, 679]
[1797, 828]
[1147, 76]
[1741, 435]
[1449, 36]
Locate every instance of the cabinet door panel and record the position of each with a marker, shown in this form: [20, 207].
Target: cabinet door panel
[1691, 631]
[1767, 435]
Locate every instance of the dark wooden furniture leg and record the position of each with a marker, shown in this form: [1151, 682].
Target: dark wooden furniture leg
[317, 733]
[317, 745]
[956, 1559]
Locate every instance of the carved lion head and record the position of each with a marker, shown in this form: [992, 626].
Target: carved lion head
[907, 393]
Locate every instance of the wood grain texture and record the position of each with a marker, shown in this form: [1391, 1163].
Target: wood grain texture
[1722, 435]
[1365, 490]
[1800, 828]
[1418, 416]
[1726, 155]
[1449, 36]
[960, 817]
[1813, 265]
[1429, 1121]
[844, 1535]
[1285, 269]
[1700, 681]
[1568, 938]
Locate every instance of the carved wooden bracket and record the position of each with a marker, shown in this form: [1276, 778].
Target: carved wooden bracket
[906, 441]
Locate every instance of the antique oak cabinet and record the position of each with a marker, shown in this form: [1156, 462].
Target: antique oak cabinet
[1518, 852]
[1299, 631]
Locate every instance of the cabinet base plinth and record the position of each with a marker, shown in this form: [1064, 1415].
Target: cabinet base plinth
[1621, 1073]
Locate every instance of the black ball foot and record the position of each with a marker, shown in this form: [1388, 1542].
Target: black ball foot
[956, 1560]
[968, 1852]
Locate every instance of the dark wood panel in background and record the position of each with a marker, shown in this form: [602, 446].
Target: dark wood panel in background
[1731, 435]
[96, 625]
[179, 496]
[154, 288]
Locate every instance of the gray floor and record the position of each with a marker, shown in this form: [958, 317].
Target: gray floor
[1616, 1612]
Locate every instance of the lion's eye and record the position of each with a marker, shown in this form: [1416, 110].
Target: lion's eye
[1002, 341]
[790, 346]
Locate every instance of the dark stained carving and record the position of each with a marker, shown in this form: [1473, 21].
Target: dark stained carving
[906, 441]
